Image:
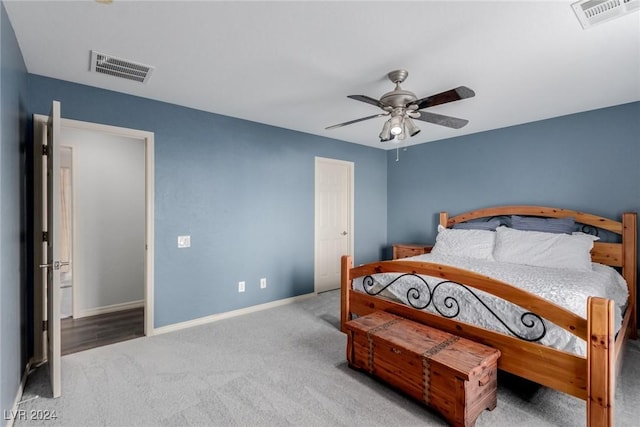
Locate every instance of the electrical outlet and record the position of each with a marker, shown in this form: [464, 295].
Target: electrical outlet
[241, 286]
[263, 283]
[184, 241]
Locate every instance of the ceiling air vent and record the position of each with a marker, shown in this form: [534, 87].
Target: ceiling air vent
[593, 12]
[118, 67]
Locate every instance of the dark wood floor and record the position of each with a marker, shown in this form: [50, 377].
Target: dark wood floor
[95, 331]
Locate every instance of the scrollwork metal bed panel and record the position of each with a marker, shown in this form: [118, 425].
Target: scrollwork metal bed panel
[422, 295]
[567, 288]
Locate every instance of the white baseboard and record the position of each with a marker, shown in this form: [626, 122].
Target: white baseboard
[227, 315]
[109, 309]
[10, 417]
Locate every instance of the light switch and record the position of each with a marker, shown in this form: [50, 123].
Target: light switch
[184, 241]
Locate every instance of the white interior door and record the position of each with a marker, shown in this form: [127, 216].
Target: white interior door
[52, 263]
[333, 220]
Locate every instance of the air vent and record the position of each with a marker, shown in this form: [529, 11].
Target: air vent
[118, 67]
[593, 12]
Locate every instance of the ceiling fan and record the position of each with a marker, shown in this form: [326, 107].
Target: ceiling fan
[403, 106]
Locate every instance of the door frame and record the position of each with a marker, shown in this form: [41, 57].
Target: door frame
[350, 220]
[148, 137]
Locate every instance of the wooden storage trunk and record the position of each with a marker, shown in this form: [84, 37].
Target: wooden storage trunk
[453, 375]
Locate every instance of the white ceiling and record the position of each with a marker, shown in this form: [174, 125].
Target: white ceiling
[292, 64]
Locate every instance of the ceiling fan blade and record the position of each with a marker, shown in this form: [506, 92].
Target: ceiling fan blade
[451, 95]
[357, 120]
[367, 99]
[438, 119]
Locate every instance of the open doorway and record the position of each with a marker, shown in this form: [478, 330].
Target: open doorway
[102, 230]
[106, 230]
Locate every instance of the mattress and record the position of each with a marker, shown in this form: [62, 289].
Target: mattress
[567, 288]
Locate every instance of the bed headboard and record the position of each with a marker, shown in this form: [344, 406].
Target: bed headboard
[623, 254]
[612, 254]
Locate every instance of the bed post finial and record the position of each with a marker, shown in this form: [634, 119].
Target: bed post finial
[444, 219]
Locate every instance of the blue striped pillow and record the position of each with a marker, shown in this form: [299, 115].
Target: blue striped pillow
[546, 225]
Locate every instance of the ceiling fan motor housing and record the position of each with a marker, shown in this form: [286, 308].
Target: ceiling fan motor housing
[398, 98]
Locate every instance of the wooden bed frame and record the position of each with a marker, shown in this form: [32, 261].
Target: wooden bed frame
[590, 378]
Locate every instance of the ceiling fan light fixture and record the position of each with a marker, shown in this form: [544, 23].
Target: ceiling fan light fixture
[396, 125]
[411, 127]
[385, 134]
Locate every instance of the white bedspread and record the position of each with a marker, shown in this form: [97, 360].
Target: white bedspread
[567, 288]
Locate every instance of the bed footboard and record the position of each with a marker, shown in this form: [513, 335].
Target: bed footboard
[591, 379]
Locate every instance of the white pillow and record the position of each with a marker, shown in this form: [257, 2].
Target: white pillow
[591, 236]
[541, 249]
[466, 243]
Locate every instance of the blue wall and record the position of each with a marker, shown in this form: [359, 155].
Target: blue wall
[588, 161]
[13, 342]
[243, 191]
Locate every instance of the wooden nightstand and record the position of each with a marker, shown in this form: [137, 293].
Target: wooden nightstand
[403, 250]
